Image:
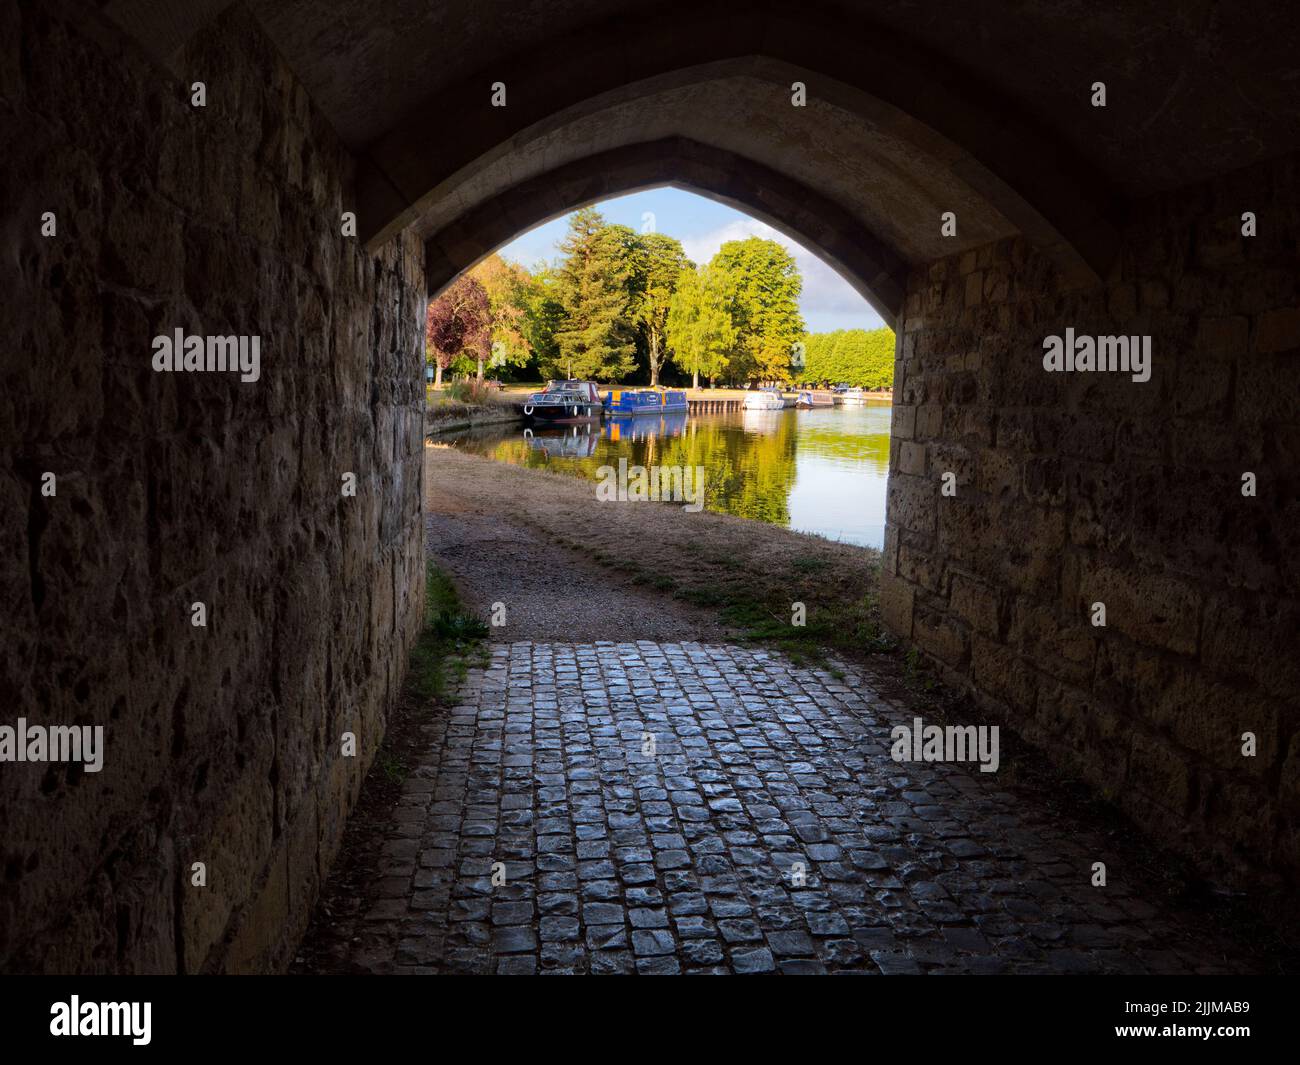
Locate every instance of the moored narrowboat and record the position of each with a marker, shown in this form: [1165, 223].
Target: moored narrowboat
[624, 402]
[564, 402]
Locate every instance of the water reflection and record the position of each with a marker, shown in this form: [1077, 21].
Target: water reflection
[821, 471]
[642, 426]
[562, 441]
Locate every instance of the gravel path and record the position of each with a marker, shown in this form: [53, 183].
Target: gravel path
[549, 591]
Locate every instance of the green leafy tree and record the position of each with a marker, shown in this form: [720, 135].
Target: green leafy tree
[762, 283]
[543, 318]
[658, 261]
[853, 356]
[506, 285]
[592, 281]
[699, 325]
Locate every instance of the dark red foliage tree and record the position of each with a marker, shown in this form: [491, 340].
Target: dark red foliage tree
[458, 322]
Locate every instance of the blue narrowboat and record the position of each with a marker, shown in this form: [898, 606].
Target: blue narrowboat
[624, 428]
[622, 402]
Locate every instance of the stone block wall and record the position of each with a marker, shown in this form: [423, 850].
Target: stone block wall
[1085, 487]
[223, 743]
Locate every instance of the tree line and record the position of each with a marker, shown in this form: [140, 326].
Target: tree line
[619, 304]
[861, 357]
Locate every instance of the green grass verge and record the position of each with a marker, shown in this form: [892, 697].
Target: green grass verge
[763, 609]
[450, 642]
[838, 617]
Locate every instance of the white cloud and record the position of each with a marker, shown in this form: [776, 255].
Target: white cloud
[826, 295]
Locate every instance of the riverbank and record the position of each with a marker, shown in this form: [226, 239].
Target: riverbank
[450, 415]
[445, 415]
[748, 574]
[518, 390]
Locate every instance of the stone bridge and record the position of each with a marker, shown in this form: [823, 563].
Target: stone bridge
[989, 176]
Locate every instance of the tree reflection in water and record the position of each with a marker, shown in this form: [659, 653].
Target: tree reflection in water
[821, 471]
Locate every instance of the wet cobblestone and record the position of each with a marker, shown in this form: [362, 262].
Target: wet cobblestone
[662, 808]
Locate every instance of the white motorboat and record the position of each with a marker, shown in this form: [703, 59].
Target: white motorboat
[764, 399]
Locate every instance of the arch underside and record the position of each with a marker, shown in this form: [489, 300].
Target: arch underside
[850, 173]
[869, 265]
[913, 110]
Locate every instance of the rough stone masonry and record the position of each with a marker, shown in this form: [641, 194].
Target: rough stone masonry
[1073, 489]
[222, 743]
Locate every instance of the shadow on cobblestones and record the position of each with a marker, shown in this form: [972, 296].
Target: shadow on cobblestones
[674, 800]
[664, 808]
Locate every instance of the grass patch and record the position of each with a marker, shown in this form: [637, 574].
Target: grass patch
[471, 391]
[838, 616]
[450, 642]
[763, 611]
[394, 769]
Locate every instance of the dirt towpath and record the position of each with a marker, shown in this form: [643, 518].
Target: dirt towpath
[548, 591]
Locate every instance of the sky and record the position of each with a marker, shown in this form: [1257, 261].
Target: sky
[828, 302]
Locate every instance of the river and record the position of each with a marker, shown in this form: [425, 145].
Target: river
[819, 471]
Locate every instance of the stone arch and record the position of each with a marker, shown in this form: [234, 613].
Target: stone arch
[936, 118]
[874, 269]
[1075, 488]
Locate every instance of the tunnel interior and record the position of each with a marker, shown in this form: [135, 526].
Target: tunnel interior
[348, 161]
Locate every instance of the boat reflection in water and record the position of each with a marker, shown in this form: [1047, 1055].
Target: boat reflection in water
[569, 442]
[645, 426]
[760, 422]
[821, 470]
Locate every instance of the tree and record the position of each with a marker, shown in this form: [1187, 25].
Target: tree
[506, 285]
[699, 326]
[763, 284]
[815, 365]
[595, 339]
[659, 261]
[458, 321]
[544, 317]
[854, 356]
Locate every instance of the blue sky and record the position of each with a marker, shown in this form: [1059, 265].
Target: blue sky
[827, 303]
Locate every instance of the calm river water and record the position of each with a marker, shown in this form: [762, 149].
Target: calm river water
[819, 471]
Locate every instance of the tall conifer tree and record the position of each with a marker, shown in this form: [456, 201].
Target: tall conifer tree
[595, 340]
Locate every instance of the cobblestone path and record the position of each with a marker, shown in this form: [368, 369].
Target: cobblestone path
[687, 858]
